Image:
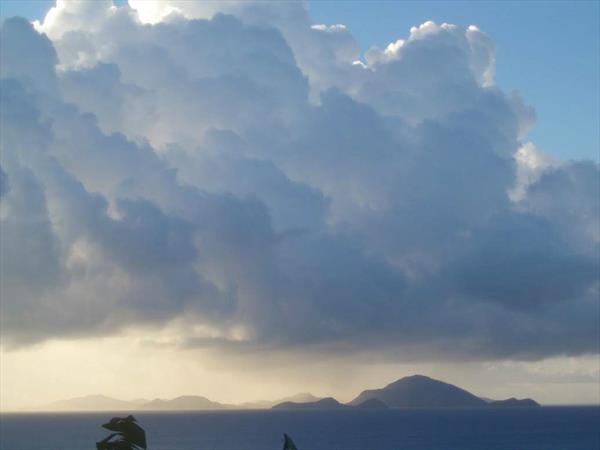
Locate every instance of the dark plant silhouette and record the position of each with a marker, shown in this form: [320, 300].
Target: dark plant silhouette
[288, 444]
[128, 435]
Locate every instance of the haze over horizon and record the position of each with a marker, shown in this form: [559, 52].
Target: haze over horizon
[415, 391]
[232, 200]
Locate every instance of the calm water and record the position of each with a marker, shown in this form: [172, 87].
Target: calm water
[549, 428]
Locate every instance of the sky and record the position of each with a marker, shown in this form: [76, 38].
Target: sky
[254, 199]
[547, 50]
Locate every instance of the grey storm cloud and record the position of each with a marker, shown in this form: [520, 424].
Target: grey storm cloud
[237, 170]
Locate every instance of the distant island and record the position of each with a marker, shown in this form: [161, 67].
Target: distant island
[417, 391]
[332, 403]
[182, 403]
[324, 403]
[512, 402]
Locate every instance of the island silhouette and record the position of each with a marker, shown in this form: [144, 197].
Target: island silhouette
[416, 391]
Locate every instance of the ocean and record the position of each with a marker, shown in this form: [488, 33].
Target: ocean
[546, 428]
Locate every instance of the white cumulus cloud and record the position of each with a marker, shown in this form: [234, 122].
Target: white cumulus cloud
[231, 168]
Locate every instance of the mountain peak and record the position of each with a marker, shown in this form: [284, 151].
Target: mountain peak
[184, 402]
[413, 378]
[94, 402]
[420, 391]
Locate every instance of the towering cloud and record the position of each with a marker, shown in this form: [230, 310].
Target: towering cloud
[241, 172]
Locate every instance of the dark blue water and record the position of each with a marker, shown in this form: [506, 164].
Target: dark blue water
[549, 428]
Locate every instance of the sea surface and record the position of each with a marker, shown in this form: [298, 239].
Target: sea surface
[547, 428]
